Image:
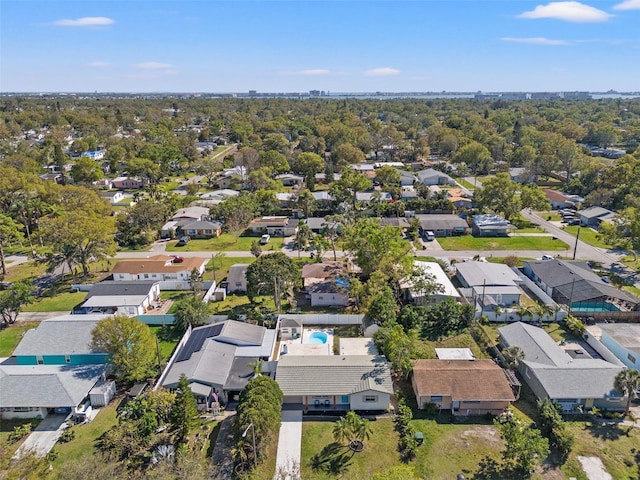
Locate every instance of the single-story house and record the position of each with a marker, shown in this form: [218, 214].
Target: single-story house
[575, 284]
[491, 225]
[430, 274]
[407, 179]
[491, 285]
[290, 328]
[237, 278]
[431, 176]
[323, 199]
[442, 225]
[129, 182]
[128, 298]
[408, 193]
[463, 387]
[335, 382]
[290, 179]
[521, 175]
[113, 197]
[459, 198]
[623, 340]
[200, 228]
[594, 216]
[216, 197]
[93, 155]
[190, 213]
[572, 379]
[172, 274]
[63, 340]
[367, 198]
[398, 222]
[32, 391]
[285, 199]
[328, 293]
[318, 224]
[276, 226]
[558, 200]
[319, 272]
[218, 359]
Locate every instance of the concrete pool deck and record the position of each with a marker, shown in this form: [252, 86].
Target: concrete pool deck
[299, 346]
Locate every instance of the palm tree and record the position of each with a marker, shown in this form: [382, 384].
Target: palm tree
[513, 355]
[627, 382]
[498, 311]
[341, 430]
[524, 311]
[542, 310]
[256, 366]
[353, 428]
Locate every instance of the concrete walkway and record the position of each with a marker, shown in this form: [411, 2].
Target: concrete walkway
[221, 457]
[594, 469]
[42, 439]
[289, 446]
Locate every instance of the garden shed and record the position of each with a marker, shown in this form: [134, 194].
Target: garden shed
[102, 393]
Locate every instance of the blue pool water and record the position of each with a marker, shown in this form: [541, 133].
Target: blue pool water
[317, 338]
[600, 307]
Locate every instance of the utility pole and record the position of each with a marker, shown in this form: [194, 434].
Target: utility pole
[575, 247]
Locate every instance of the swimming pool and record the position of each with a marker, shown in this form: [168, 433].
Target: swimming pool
[317, 338]
[600, 307]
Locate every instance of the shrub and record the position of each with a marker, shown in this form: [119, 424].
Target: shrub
[67, 436]
[19, 432]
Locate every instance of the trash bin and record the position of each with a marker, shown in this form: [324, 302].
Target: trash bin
[419, 438]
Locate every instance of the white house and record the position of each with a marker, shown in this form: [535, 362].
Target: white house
[173, 273]
[128, 298]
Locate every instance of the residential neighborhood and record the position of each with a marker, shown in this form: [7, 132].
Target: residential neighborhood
[285, 304]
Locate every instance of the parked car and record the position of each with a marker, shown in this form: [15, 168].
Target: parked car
[264, 239]
[429, 236]
[573, 221]
[177, 259]
[183, 240]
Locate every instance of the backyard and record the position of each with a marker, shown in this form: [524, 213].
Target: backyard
[468, 242]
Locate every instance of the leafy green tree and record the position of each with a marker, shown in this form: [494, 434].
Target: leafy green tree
[398, 346]
[86, 170]
[272, 274]
[10, 232]
[236, 213]
[499, 194]
[13, 299]
[276, 160]
[191, 311]
[384, 308]
[262, 179]
[444, 319]
[184, 412]
[306, 201]
[130, 345]
[256, 248]
[352, 428]
[627, 382]
[308, 164]
[140, 224]
[476, 156]
[344, 190]
[525, 446]
[303, 238]
[554, 428]
[143, 167]
[532, 197]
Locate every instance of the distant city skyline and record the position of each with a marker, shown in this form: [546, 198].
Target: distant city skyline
[336, 46]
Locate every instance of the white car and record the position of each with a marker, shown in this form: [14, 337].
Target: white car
[264, 239]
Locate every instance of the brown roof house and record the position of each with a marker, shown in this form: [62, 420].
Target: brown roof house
[463, 387]
[173, 273]
[326, 284]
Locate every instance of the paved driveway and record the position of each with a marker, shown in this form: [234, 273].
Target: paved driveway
[289, 446]
[42, 439]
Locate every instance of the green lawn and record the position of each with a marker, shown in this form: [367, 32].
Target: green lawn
[587, 235]
[468, 242]
[63, 302]
[23, 271]
[449, 449]
[168, 338]
[236, 303]
[84, 443]
[552, 215]
[501, 260]
[10, 336]
[225, 243]
[168, 186]
[465, 184]
[427, 348]
[222, 266]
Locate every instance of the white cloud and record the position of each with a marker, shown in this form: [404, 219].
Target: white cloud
[535, 41]
[97, 64]
[380, 72]
[152, 65]
[85, 22]
[314, 72]
[628, 5]
[569, 11]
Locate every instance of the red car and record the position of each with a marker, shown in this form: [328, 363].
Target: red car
[177, 259]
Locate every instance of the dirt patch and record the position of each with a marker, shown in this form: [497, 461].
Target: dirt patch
[483, 432]
[548, 471]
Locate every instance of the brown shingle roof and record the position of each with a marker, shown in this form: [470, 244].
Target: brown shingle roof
[157, 264]
[462, 379]
[323, 270]
[555, 196]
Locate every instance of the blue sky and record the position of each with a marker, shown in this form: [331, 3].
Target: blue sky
[339, 46]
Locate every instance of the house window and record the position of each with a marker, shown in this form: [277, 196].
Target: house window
[146, 275]
[67, 358]
[369, 398]
[631, 358]
[345, 398]
[121, 276]
[238, 284]
[436, 398]
[320, 297]
[40, 360]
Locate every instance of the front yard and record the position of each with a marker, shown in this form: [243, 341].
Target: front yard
[587, 235]
[225, 243]
[10, 336]
[468, 242]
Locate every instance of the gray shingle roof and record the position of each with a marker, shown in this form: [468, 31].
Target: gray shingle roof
[65, 335]
[536, 344]
[441, 222]
[332, 374]
[494, 274]
[110, 288]
[237, 273]
[46, 385]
